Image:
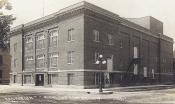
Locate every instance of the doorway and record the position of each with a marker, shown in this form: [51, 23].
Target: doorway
[39, 80]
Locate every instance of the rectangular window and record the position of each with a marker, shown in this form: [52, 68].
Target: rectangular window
[40, 41]
[135, 52]
[1, 73]
[14, 79]
[40, 61]
[29, 43]
[27, 79]
[135, 69]
[53, 59]
[53, 38]
[121, 43]
[70, 57]
[110, 39]
[1, 60]
[145, 71]
[29, 40]
[153, 73]
[70, 78]
[29, 61]
[53, 79]
[15, 47]
[70, 34]
[96, 35]
[97, 78]
[15, 62]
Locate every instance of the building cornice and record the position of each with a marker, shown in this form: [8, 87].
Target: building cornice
[79, 8]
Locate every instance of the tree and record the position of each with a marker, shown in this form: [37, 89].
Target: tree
[5, 22]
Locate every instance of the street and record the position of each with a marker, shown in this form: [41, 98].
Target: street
[41, 95]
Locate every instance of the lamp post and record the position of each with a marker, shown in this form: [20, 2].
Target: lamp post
[100, 61]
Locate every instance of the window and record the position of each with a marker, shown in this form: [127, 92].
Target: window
[14, 79]
[40, 41]
[40, 61]
[53, 58]
[29, 61]
[145, 71]
[1, 73]
[97, 78]
[121, 43]
[53, 38]
[70, 57]
[15, 62]
[53, 79]
[70, 79]
[110, 39]
[15, 47]
[70, 34]
[29, 43]
[96, 35]
[1, 60]
[29, 40]
[27, 79]
[153, 74]
[96, 56]
[135, 69]
[135, 52]
[29, 58]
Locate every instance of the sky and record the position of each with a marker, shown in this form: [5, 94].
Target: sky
[163, 10]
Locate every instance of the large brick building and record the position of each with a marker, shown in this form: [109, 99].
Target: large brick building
[62, 48]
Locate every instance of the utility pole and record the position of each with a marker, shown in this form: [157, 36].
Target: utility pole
[43, 8]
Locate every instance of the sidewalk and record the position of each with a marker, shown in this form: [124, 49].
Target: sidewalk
[16, 88]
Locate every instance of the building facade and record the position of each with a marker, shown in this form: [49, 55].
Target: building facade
[62, 49]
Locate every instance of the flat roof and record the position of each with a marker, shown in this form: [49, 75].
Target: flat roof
[96, 9]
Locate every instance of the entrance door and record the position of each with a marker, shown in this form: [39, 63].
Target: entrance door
[39, 79]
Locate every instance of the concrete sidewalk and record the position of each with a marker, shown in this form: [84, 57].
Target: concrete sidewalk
[16, 88]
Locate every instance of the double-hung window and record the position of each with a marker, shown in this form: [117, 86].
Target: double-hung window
[40, 40]
[70, 34]
[53, 59]
[53, 38]
[110, 39]
[29, 43]
[70, 57]
[40, 61]
[96, 35]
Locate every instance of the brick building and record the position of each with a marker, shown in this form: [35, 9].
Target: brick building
[62, 48]
[5, 65]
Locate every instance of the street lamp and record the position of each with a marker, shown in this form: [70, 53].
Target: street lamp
[100, 61]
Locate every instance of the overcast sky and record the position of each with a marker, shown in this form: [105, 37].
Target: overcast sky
[163, 10]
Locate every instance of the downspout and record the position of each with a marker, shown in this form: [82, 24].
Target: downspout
[22, 32]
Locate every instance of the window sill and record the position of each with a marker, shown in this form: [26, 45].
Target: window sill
[96, 41]
[70, 41]
[41, 49]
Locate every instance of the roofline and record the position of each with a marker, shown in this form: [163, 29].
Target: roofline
[86, 5]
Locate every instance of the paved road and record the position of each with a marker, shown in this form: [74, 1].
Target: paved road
[131, 95]
[45, 98]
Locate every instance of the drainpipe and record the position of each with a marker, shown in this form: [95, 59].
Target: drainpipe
[159, 75]
[22, 32]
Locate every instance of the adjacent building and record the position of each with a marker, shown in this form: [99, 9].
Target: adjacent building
[5, 66]
[61, 49]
